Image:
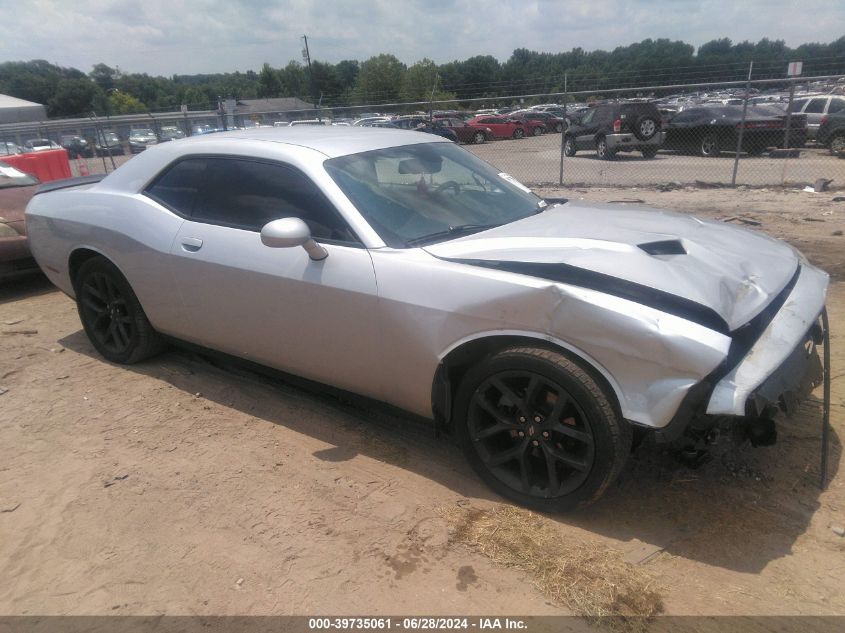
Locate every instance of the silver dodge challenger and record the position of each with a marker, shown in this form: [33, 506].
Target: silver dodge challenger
[543, 335]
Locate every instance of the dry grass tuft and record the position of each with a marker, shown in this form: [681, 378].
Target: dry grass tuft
[591, 580]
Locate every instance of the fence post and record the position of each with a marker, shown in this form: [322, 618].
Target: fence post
[562, 132]
[742, 124]
[789, 113]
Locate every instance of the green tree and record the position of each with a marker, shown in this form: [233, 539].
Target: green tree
[269, 84]
[421, 82]
[379, 80]
[73, 97]
[124, 103]
[104, 76]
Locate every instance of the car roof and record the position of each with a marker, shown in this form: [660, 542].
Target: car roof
[328, 140]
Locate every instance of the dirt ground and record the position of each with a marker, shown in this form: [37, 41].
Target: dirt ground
[179, 486]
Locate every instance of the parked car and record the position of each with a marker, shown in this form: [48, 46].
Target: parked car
[499, 127]
[551, 121]
[815, 108]
[140, 139]
[534, 126]
[610, 128]
[77, 146]
[40, 145]
[16, 190]
[170, 133]
[8, 148]
[465, 132]
[401, 267]
[418, 124]
[708, 131]
[831, 132]
[108, 144]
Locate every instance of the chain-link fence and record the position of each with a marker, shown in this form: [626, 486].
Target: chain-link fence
[760, 133]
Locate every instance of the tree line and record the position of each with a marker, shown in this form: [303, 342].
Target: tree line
[384, 79]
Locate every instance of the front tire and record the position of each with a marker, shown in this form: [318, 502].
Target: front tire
[837, 144]
[649, 152]
[518, 133]
[708, 146]
[569, 147]
[540, 430]
[478, 138]
[111, 314]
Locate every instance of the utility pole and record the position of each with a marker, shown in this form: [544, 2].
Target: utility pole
[306, 55]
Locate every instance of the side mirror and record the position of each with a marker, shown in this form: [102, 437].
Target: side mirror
[288, 232]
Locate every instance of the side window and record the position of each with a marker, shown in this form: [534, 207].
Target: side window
[816, 106]
[603, 115]
[797, 105]
[177, 187]
[248, 194]
[836, 105]
[588, 117]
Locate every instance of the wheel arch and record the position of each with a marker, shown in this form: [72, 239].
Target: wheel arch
[464, 353]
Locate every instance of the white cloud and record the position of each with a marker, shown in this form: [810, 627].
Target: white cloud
[192, 36]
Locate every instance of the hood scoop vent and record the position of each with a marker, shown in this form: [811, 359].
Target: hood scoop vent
[664, 247]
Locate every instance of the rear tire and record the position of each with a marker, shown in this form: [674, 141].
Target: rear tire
[111, 314]
[569, 146]
[540, 430]
[603, 151]
[537, 131]
[837, 144]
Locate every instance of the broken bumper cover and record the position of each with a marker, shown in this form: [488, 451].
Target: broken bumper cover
[783, 362]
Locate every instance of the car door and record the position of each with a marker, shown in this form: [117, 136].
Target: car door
[586, 130]
[274, 306]
[815, 110]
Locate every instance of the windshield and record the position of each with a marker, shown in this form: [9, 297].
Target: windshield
[141, 133]
[11, 177]
[417, 194]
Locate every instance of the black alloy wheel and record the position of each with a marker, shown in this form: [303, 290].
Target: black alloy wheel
[540, 430]
[111, 314]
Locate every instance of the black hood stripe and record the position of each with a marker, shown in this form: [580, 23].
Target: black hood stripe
[644, 295]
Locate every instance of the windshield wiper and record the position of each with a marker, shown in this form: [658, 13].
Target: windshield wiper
[452, 231]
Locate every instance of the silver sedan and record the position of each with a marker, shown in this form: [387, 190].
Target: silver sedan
[540, 333]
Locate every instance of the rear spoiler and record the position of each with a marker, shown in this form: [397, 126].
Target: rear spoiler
[66, 183]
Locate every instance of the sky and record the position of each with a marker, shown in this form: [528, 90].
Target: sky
[166, 37]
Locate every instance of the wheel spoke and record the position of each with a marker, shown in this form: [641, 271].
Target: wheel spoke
[564, 458]
[551, 470]
[531, 391]
[483, 434]
[576, 434]
[123, 331]
[90, 301]
[508, 455]
[93, 292]
[510, 395]
[523, 470]
[489, 408]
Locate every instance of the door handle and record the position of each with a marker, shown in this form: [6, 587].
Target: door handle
[191, 244]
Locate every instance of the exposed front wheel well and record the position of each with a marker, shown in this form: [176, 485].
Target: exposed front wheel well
[454, 366]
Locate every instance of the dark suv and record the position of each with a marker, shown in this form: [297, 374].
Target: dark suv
[609, 128]
[832, 132]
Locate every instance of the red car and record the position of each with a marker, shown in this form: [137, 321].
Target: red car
[16, 189]
[534, 126]
[465, 132]
[499, 126]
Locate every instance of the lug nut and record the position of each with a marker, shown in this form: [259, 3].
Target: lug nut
[537, 418]
[521, 434]
[546, 434]
[536, 443]
[522, 418]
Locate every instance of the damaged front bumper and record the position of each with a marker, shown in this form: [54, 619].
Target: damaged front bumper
[783, 363]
